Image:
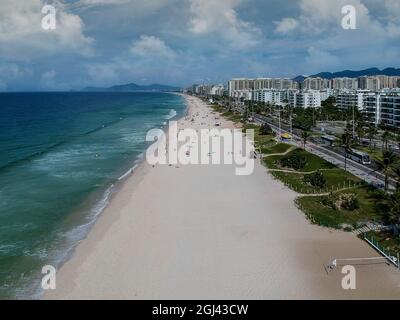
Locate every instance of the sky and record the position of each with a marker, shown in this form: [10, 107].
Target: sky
[181, 42]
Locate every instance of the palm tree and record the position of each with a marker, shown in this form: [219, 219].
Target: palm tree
[347, 142]
[396, 172]
[385, 138]
[360, 133]
[305, 135]
[371, 132]
[393, 214]
[389, 159]
[398, 140]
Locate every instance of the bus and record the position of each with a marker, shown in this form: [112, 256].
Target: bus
[328, 140]
[360, 157]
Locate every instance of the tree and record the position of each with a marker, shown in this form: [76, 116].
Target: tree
[305, 135]
[385, 138]
[371, 132]
[398, 140]
[396, 172]
[347, 142]
[245, 115]
[302, 119]
[294, 160]
[389, 159]
[360, 128]
[265, 129]
[393, 214]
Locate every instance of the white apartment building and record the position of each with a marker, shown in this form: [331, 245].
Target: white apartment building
[271, 96]
[326, 93]
[242, 94]
[244, 84]
[383, 107]
[315, 84]
[344, 83]
[304, 99]
[390, 108]
[203, 89]
[240, 84]
[217, 90]
[347, 99]
[380, 82]
[372, 108]
[369, 83]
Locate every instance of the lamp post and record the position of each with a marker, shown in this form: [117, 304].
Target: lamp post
[279, 132]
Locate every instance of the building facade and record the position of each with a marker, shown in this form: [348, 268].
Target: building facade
[383, 107]
[347, 99]
[304, 98]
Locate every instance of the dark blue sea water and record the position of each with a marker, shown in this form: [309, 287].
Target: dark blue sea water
[60, 154]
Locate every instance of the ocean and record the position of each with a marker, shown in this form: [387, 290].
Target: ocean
[61, 157]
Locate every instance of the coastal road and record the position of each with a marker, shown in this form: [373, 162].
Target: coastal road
[363, 172]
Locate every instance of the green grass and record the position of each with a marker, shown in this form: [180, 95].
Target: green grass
[313, 162]
[318, 212]
[335, 179]
[232, 116]
[235, 117]
[217, 108]
[277, 148]
[261, 141]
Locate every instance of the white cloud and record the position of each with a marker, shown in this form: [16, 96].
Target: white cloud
[48, 81]
[103, 72]
[100, 2]
[321, 59]
[393, 9]
[221, 18]
[151, 46]
[10, 72]
[84, 4]
[22, 36]
[47, 78]
[321, 16]
[286, 25]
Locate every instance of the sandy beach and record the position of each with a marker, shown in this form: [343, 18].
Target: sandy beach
[202, 232]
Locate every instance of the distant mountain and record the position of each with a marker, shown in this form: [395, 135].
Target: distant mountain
[355, 74]
[299, 78]
[132, 87]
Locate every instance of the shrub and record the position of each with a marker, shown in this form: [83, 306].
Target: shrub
[293, 160]
[265, 129]
[328, 202]
[315, 179]
[347, 201]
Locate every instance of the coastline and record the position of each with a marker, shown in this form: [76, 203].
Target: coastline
[86, 216]
[158, 238]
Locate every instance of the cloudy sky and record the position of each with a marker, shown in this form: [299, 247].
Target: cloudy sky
[179, 42]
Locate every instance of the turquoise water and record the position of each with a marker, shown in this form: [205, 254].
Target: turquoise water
[60, 155]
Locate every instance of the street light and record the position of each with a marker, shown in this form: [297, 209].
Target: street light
[279, 123]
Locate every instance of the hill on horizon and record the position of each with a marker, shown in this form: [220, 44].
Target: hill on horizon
[133, 87]
[353, 74]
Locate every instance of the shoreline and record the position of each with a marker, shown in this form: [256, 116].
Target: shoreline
[135, 174]
[88, 215]
[135, 251]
